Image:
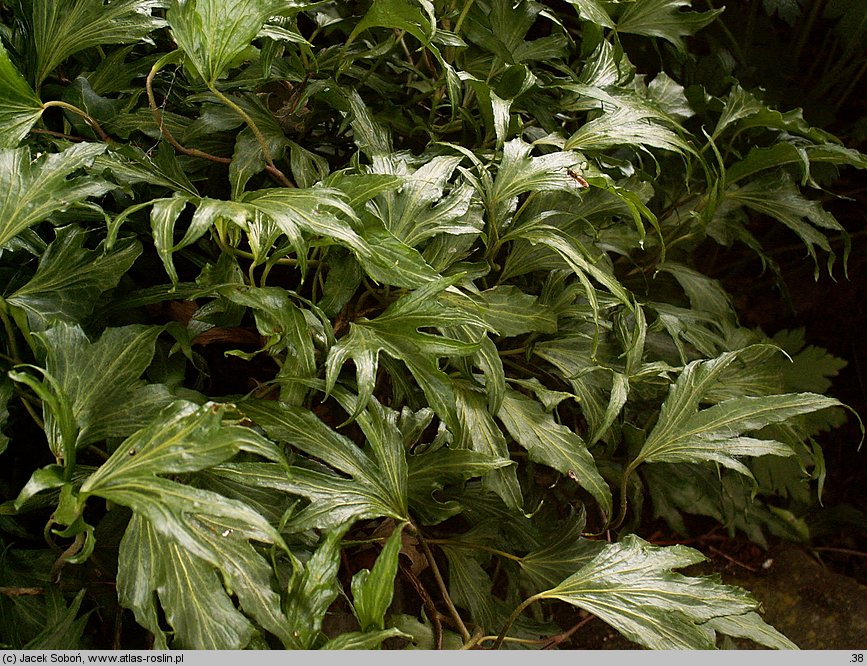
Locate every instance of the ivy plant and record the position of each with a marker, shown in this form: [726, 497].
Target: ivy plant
[349, 325]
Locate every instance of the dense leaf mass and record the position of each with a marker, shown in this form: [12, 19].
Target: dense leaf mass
[348, 325]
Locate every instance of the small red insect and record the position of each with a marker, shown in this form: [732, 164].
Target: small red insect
[578, 179]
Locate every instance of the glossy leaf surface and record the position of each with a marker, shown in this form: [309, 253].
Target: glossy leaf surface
[34, 189]
[631, 586]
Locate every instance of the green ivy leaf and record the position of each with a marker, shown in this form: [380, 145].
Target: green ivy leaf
[470, 588]
[431, 471]
[166, 446]
[129, 164]
[213, 33]
[385, 443]
[248, 159]
[393, 261]
[704, 293]
[312, 590]
[420, 209]
[180, 536]
[302, 429]
[361, 188]
[414, 16]
[421, 634]
[479, 432]
[395, 332]
[598, 388]
[20, 108]
[519, 173]
[164, 215]
[562, 553]
[739, 104]
[260, 485]
[64, 627]
[776, 196]
[578, 258]
[70, 278]
[286, 331]
[783, 154]
[594, 11]
[373, 589]
[494, 109]
[663, 18]
[371, 640]
[630, 586]
[371, 137]
[506, 310]
[553, 444]
[190, 593]
[628, 121]
[61, 29]
[371, 492]
[101, 380]
[314, 210]
[684, 433]
[82, 96]
[34, 189]
[744, 110]
[606, 66]
[753, 627]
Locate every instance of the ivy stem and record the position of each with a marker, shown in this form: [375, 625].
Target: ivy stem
[462, 628]
[554, 641]
[15, 358]
[10, 333]
[266, 153]
[475, 639]
[514, 616]
[21, 591]
[282, 261]
[263, 279]
[546, 643]
[623, 486]
[158, 117]
[518, 351]
[842, 551]
[90, 120]
[32, 411]
[500, 553]
[464, 12]
[59, 135]
[74, 548]
[429, 606]
[735, 44]
[854, 81]
[512, 639]
[805, 29]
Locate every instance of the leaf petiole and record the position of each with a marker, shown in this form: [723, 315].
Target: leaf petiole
[14, 354]
[90, 120]
[167, 59]
[462, 628]
[514, 616]
[624, 482]
[477, 546]
[266, 153]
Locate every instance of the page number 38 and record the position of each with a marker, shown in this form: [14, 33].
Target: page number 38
[857, 658]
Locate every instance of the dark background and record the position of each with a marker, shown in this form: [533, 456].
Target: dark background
[809, 54]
